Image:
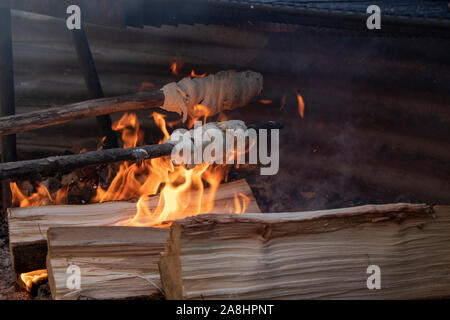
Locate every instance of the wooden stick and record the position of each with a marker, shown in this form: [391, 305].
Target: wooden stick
[81, 110]
[62, 164]
[311, 255]
[28, 226]
[236, 88]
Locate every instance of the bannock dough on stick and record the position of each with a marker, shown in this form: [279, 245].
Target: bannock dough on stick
[225, 90]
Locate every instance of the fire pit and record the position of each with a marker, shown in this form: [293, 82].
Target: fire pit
[286, 158]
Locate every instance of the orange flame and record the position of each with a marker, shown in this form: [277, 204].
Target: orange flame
[237, 206]
[265, 101]
[301, 106]
[194, 75]
[61, 195]
[41, 197]
[161, 123]
[131, 134]
[33, 277]
[175, 67]
[200, 111]
[237, 203]
[182, 191]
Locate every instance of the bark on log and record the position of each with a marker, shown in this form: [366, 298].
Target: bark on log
[114, 262]
[28, 226]
[62, 164]
[81, 110]
[310, 255]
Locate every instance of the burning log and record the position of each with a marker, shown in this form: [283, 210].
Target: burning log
[223, 91]
[28, 226]
[62, 164]
[113, 262]
[329, 254]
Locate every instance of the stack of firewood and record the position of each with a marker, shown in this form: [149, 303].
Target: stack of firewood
[319, 255]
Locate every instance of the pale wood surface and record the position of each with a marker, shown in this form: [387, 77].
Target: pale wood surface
[315, 255]
[115, 262]
[28, 226]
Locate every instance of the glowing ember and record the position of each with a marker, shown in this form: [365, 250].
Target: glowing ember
[265, 101]
[301, 106]
[33, 277]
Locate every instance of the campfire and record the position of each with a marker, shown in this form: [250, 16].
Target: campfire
[164, 191]
[145, 198]
[181, 189]
[258, 160]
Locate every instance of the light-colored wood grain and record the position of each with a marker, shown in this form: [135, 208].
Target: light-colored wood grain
[310, 255]
[114, 262]
[28, 226]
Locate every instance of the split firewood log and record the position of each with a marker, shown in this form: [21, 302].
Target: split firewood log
[110, 262]
[393, 251]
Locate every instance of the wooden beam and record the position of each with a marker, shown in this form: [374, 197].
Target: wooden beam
[7, 97]
[310, 255]
[28, 226]
[94, 87]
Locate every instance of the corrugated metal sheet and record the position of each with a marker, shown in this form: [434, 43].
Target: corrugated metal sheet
[421, 9]
[336, 14]
[103, 12]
